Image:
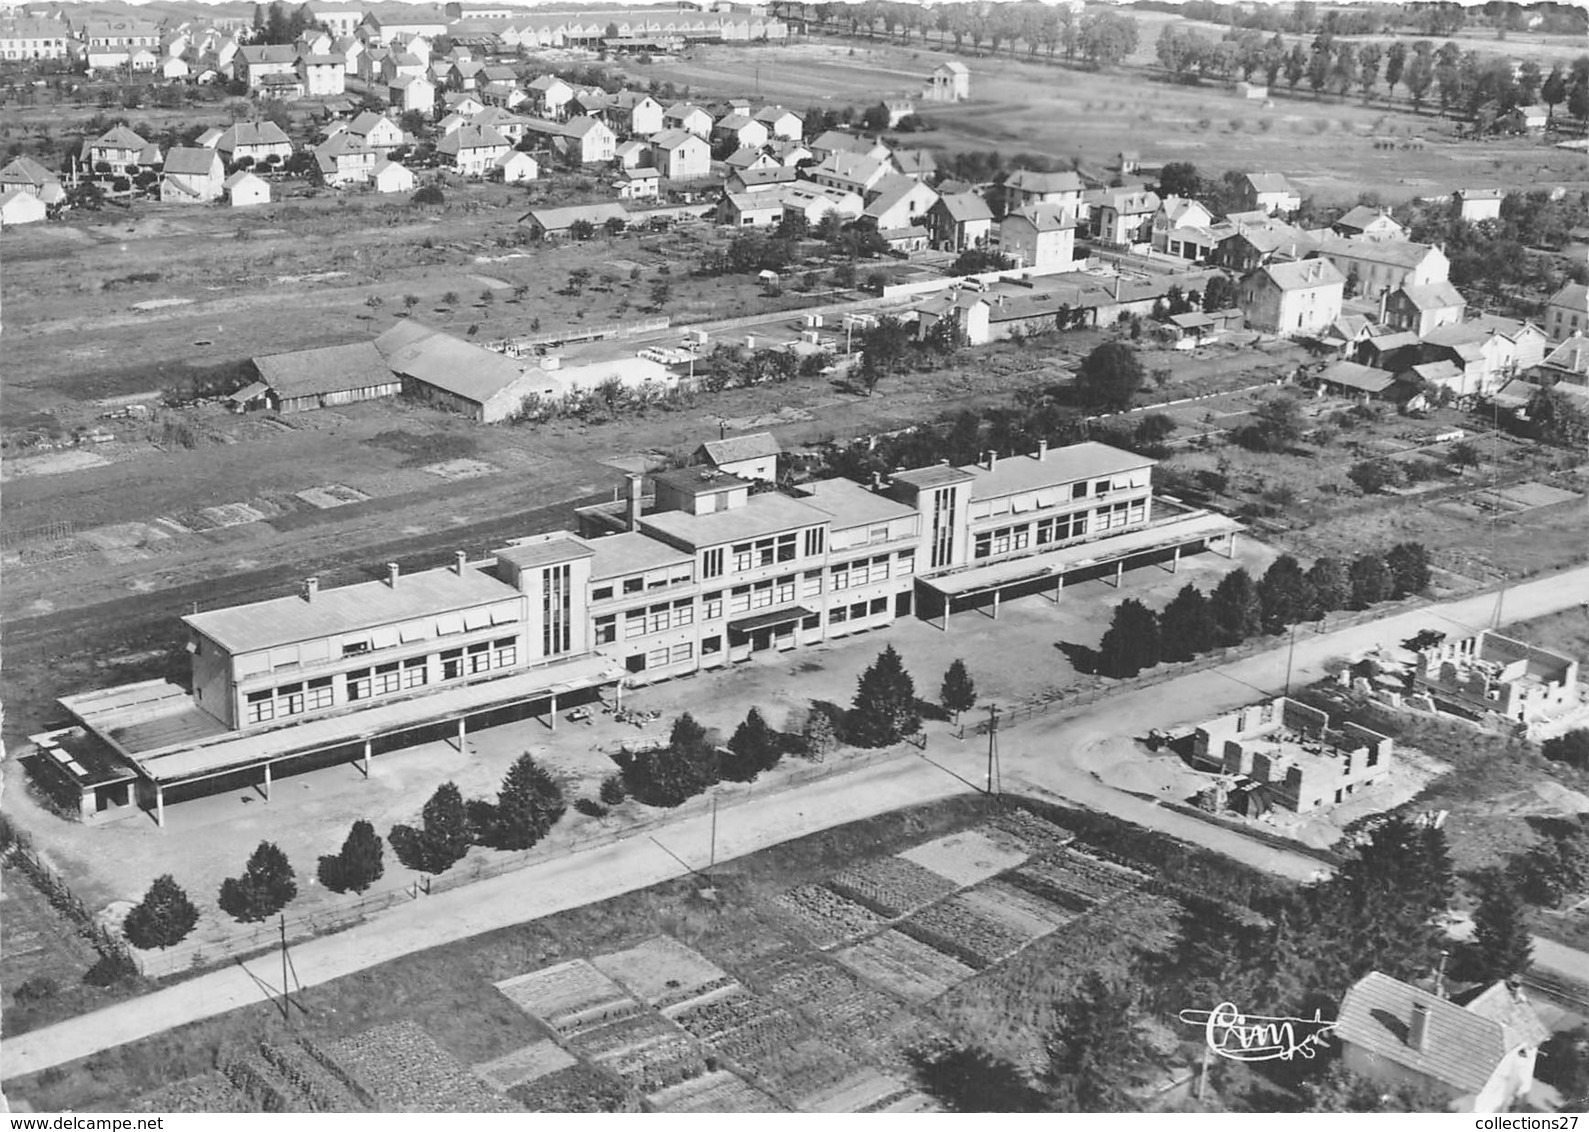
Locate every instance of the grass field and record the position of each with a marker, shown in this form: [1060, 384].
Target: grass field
[732, 979]
[1326, 146]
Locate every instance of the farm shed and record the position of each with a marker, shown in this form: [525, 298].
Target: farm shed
[331, 375]
[460, 376]
[557, 221]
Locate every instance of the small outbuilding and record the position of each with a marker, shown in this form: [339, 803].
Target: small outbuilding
[18, 207]
[390, 177]
[244, 188]
[331, 375]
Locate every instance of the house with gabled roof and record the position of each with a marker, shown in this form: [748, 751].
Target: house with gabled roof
[457, 375]
[949, 82]
[411, 92]
[390, 177]
[739, 130]
[1479, 1056]
[110, 154]
[841, 141]
[1028, 186]
[26, 175]
[1422, 308]
[917, 164]
[590, 140]
[543, 222]
[688, 117]
[1124, 217]
[324, 75]
[1297, 299]
[344, 159]
[753, 181]
[750, 457]
[192, 176]
[750, 210]
[960, 221]
[898, 203]
[1474, 205]
[681, 155]
[850, 172]
[1369, 224]
[254, 140]
[377, 132]
[550, 96]
[1039, 235]
[1567, 312]
[261, 59]
[812, 202]
[749, 157]
[1490, 349]
[1270, 193]
[1568, 362]
[1384, 265]
[244, 188]
[472, 151]
[1187, 225]
[19, 207]
[781, 122]
[635, 114]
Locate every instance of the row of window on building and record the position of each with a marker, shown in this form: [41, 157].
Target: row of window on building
[665, 655]
[1005, 540]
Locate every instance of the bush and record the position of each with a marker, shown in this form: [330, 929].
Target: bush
[165, 916]
[358, 865]
[1571, 748]
[590, 808]
[429, 195]
[36, 989]
[265, 888]
[612, 792]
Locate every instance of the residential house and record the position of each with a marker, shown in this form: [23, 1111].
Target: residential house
[256, 141]
[313, 41]
[592, 103]
[261, 59]
[463, 104]
[792, 154]
[20, 207]
[192, 176]
[749, 157]
[850, 172]
[688, 117]
[1269, 192]
[1358, 382]
[1490, 350]
[344, 159]
[1039, 235]
[503, 94]
[549, 95]
[244, 189]
[28, 176]
[350, 49]
[1475, 205]
[34, 37]
[1028, 187]
[1525, 119]
[117, 149]
[397, 64]
[464, 74]
[1480, 1056]
[174, 68]
[1385, 265]
[814, 202]
[472, 151]
[917, 164]
[1567, 312]
[592, 142]
[681, 155]
[342, 20]
[1369, 223]
[411, 92]
[1184, 228]
[635, 114]
[517, 167]
[739, 130]
[761, 180]
[781, 123]
[1292, 299]
[377, 132]
[841, 141]
[630, 154]
[960, 222]
[898, 211]
[390, 177]
[143, 60]
[1568, 362]
[750, 457]
[509, 125]
[750, 210]
[949, 82]
[1246, 247]
[1422, 309]
[1124, 217]
[286, 87]
[638, 184]
[111, 43]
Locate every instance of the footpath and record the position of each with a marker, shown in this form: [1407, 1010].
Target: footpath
[1064, 756]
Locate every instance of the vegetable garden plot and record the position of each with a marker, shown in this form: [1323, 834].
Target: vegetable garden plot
[908, 1101]
[908, 967]
[811, 1066]
[719, 1091]
[646, 1050]
[891, 887]
[1077, 881]
[406, 1071]
[1019, 910]
[855, 1093]
[831, 997]
[970, 856]
[569, 997]
[663, 970]
[956, 929]
[522, 1066]
[208, 1092]
[824, 917]
[579, 1088]
[739, 1025]
[1033, 832]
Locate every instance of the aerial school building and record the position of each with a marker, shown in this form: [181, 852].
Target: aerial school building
[709, 571]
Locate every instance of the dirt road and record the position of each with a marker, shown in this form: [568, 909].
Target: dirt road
[1061, 757]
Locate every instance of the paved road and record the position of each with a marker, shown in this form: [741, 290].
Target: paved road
[1062, 758]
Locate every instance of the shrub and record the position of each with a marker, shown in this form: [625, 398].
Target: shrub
[429, 195]
[359, 864]
[164, 917]
[612, 792]
[36, 989]
[590, 808]
[1571, 748]
[265, 888]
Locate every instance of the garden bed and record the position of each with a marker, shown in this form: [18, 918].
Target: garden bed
[663, 970]
[826, 918]
[403, 1068]
[969, 857]
[569, 997]
[522, 1066]
[719, 1091]
[955, 928]
[891, 886]
[579, 1088]
[905, 966]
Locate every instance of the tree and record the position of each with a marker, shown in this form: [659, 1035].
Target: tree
[1179, 178]
[444, 835]
[884, 710]
[1370, 579]
[612, 792]
[755, 748]
[576, 281]
[817, 736]
[1107, 37]
[1564, 1062]
[1502, 947]
[164, 917]
[359, 864]
[970, 1079]
[1571, 748]
[1283, 594]
[1395, 63]
[529, 803]
[1186, 627]
[1463, 454]
[1408, 563]
[581, 229]
[661, 292]
[428, 195]
[958, 693]
[1417, 76]
[450, 299]
[874, 119]
[1373, 476]
[1093, 1049]
[1235, 608]
[1341, 1090]
[410, 301]
[1219, 294]
[1368, 60]
[266, 886]
[1276, 425]
[1553, 91]
[684, 768]
[1329, 587]
[1296, 65]
[1131, 642]
[1110, 375]
[884, 347]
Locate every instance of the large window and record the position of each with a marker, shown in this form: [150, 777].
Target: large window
[360, 686]
[712, 605]
[811, 584]
[479, 657]
[786, 589]
[634, 624]
[745, 557]
[739, 599]
[416, 672]
[261, 706]
[321, 694]
[607, 629]
[388, 679]
[557, 625]
[813, 542]
[452, 664]
[712, 563]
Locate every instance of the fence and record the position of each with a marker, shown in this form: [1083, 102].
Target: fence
[212, 949]
[20, 847]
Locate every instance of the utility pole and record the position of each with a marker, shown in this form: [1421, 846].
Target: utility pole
[1290, 653]
[995, 785]
[286, 999]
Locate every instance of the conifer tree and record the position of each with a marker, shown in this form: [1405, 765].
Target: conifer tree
[1502, 947]
[164, 917]
[1329, 587]
[1131, 642]
[1284, 595]
[1095, 1047]
[755, 748]
[266, 886]
[884, 710]
[1371, 581]
[529, 803]
[818, 736]
[359, 865]
[1235, 608]
[958, 693]
[1186, 627]
[1408, 563]
[444, 834]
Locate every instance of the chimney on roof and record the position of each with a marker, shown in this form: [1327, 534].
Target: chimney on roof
[635, 481]
[1042, 450]
[311, 586]
[458, 560]
[993, 459]
[1418, 1028]
[391, 574]
[1384, 304]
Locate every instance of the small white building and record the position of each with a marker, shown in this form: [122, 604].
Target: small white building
[517, 167]
[244, 189]
[390, 177]
[949, 82]
[18, 207]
